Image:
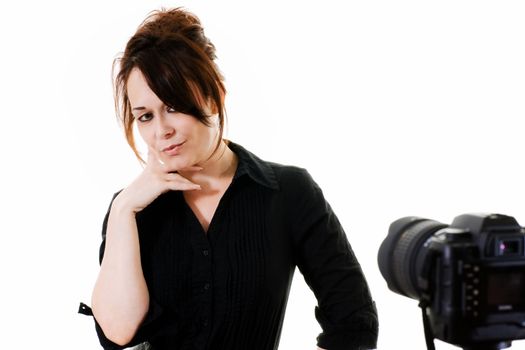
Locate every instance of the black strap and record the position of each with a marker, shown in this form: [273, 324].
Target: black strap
[429, 337]
[84, 310]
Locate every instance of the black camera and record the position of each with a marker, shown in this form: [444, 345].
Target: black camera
[468, 276]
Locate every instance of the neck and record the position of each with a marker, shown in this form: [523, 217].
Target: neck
[219, 167]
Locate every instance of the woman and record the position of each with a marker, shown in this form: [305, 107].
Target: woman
[199, 251]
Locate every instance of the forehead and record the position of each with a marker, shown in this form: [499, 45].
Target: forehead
[139, 92]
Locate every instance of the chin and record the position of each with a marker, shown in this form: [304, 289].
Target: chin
[178, 162]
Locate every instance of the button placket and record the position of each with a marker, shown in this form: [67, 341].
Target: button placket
[202, 277]
[206, 286]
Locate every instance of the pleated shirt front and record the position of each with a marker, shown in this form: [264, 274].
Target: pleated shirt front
[227, 288]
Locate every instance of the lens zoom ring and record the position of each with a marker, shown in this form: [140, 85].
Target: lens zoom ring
[405, 253]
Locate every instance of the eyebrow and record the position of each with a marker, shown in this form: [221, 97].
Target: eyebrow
[138, 108]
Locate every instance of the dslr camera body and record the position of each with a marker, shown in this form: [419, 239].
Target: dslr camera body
[468, 276]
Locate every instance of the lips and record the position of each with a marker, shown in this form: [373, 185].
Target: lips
[173, 149]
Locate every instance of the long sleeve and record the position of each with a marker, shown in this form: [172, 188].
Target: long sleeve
[148, 327]
[324, 256]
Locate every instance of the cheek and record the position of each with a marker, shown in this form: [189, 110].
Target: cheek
[205, 135]
[146, 135]
[194, 129]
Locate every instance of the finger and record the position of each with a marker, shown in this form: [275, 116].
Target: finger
[154, 158]
[175, 177]
[182, 184]
[192, 168]
[184, 187]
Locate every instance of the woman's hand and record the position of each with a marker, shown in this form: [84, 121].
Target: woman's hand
[155, 179]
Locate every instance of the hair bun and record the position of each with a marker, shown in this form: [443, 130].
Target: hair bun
[164, 24]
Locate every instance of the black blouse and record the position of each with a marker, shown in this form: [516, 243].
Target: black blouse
[228, 288]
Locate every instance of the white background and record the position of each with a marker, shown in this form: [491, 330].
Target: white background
[395, 107]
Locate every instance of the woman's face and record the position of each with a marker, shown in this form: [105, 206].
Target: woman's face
[180, 140]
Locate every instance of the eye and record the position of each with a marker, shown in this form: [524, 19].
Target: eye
[145, 117]
[171, 110]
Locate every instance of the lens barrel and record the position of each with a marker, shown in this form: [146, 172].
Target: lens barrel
[401, 254]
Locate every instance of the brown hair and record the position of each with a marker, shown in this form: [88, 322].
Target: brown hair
[177, 61]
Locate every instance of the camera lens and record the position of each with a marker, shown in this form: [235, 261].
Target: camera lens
[401, 254]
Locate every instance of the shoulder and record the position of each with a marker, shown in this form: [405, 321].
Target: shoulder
[300, 199]
[284, 178]
[294, 179]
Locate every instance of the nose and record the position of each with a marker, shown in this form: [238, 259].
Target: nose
[163, 129]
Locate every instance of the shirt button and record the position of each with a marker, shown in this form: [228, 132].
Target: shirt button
[205, 323]
[205, 252]
[206, 286]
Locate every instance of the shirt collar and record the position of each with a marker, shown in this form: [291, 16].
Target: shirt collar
[252, 166]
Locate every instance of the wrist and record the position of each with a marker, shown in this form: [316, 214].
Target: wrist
[121, 206]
